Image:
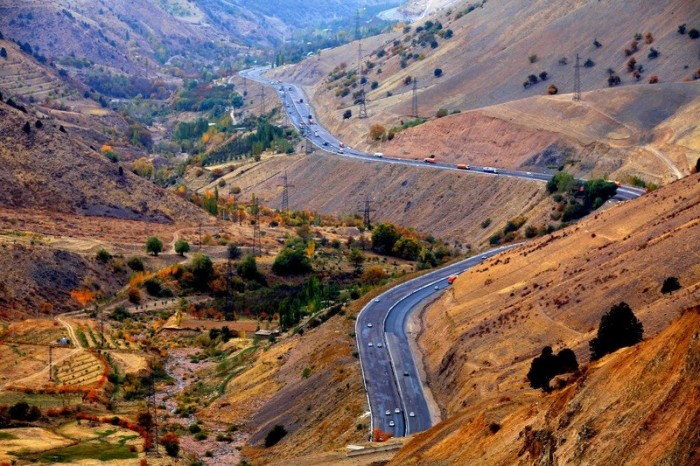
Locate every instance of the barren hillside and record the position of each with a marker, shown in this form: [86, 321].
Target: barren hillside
[636, 406]
[481, 336]
[447, 204]
[47, 168]
[485, 60]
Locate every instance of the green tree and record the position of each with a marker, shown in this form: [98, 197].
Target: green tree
[233, 252]
[347, 114]
[442, 112]
[135, 264]
[618, 328]
[562, 182]
[202, 269]
[154, 245]
[248, 268]
[437, 72]
[384, 237]
[291, 261]
[182, 246]
[356, 258]
[3, 52]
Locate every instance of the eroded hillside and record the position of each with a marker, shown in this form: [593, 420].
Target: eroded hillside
[480, 337]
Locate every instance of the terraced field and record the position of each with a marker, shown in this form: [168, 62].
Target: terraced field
[80, 370]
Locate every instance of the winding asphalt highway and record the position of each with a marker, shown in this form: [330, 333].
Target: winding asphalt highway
[395, 392]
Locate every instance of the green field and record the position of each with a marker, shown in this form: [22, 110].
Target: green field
[98, 450]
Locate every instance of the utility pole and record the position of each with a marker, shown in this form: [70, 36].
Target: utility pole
[367, 213]
[50, 363]
[245, 87]
[577, 80]
[262, 99]
[257, 240]
[309, 149]
[285, 192]
[153, 411]
[414, 99]
[362, 99]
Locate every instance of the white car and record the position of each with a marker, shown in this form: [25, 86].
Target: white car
[388, 412]
[437, 287]
[376, 300]
[411, 414]
[369, 324]
[397, 410]
[370, 344]
[391, 424]
[379, 345]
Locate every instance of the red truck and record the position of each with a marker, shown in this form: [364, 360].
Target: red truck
[463, 166]
[451, 279]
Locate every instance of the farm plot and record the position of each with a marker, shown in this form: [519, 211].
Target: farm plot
[35, 331]
[17, 361]
[80, 370]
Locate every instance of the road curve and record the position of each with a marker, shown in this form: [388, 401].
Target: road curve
[394, 390]
[297, 106]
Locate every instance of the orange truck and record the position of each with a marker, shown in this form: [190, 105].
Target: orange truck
[451, 279]
[463, 166]
[428, 160]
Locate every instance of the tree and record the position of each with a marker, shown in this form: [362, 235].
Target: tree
[233, 252]
[374, 275]
[693, 33]
[356, 258]
[670, 285]
[437, 72]
[291, 261]
[103, 256]
[171, 442]
[562, 182]
[384, 236]
[377, 132]
[548, 365]
[347, 114]
[442, 112]
[202, 270]
[407, 80]
[154, 245]
[182, 246]
[135, 264]
[552, 89]
[681, 29]
[275, 435]
[544, 75]
[27, 128]
[248, 268]
[597, 44]
[618, 328]
[3, 52]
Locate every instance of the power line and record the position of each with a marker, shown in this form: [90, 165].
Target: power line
[362, 98]
[153, 412]
[257, 238]
[577, 80]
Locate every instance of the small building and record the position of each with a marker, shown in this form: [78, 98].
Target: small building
[267, 333]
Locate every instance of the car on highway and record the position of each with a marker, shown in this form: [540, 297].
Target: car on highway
[341, 151]
[391, 424]
[325, 143]
[429, 160]
[491, 170]
[451, 279]
[370, 344]
[397, 410]
[369, 324]
[379, 155]
[411, 414]
[376, 300]
[379, 345]
[437, 287]
[315, 133]
[405, 373]
[463, 166]
[388, 412]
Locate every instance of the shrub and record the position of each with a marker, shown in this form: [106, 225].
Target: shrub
[374, 85]
[552, 89]
[154, 245]
[181, 247]
[589, 63]
[134, 296]
[103, 256]
[377, 132]
[547, 365]
[653, 79]
[374, 275]
[670, 285]
[544, 75]
[291, 261]
[653, 53]
[693, 33]
[347, 114]
[631, 64]
[597, 44]
[614, 80]
[486, 223]
[530, 231]
[306, 373]
[233, 251]
[437, 72]
[135, 264]
[532, 79]
[618, 328]
[563, 61]
[441, 113]
[275, 435]
[152, 286]
[648, 38]
[681, 29]
[532, 58]
[171, 443]
[494, 427]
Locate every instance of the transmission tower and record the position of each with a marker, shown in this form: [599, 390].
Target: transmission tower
[367, 213]
[50, 363]
[362, 99]
[414, 99]
[257, 240]
[262, 100]
[577, 80]
[153, 411]
[285, 192]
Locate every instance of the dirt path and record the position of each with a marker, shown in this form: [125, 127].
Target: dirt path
[666, 160]
[71, 331]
